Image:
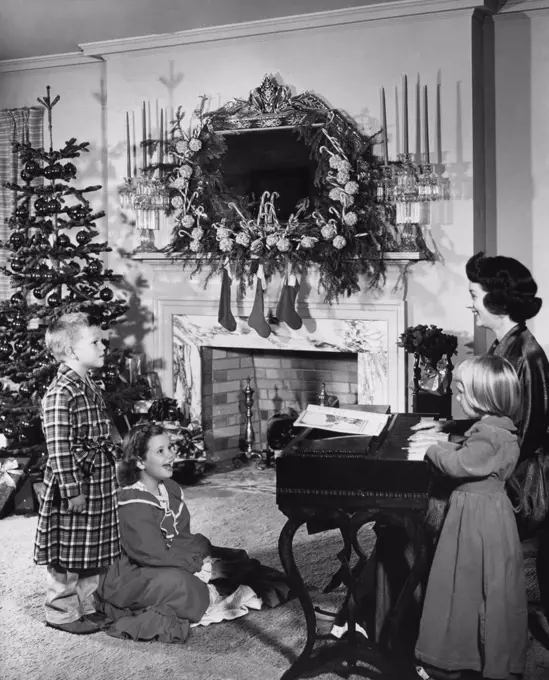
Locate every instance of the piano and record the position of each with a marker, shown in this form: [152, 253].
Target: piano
[343, 482]
[353, 472]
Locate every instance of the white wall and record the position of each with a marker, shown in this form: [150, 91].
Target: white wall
[522, 142]
[347, 65]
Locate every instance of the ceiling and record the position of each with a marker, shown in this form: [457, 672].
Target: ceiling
[34, 28]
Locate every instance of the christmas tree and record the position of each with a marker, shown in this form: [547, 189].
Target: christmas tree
[55, 267]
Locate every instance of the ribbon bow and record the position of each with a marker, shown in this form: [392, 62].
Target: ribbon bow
[6, 469]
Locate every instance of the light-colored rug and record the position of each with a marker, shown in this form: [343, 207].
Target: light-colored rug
[235, 509]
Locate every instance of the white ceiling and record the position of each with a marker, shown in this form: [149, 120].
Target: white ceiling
[33, 28]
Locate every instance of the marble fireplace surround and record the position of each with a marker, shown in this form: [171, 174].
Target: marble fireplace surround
[368, 324]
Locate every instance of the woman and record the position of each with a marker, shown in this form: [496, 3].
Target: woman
[503, 295]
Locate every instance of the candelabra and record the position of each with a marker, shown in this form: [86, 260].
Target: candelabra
[145, 193]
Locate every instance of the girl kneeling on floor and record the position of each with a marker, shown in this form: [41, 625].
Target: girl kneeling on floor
[169, 579]
[475, 611]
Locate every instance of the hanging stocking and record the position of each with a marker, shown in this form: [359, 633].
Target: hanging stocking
[256, 319]
[225, 316]
[285, 310]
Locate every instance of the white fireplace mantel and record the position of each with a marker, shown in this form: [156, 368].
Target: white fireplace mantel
[182, 304]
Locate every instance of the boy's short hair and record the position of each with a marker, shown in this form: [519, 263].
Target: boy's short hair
[65, 331]
[490, 386]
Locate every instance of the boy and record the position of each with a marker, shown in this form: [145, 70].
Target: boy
[77, 534]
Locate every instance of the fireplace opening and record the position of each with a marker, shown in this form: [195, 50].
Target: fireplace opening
[281, 380]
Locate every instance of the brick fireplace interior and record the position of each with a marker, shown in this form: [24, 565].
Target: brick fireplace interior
[281, 380]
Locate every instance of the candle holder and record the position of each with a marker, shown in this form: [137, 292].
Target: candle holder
[322, 395]
[249, 436]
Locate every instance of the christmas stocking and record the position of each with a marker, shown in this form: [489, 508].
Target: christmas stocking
[225, 316]
[257, 317]
[285, 309]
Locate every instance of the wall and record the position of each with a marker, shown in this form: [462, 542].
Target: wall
[346, 64]
[522, 142]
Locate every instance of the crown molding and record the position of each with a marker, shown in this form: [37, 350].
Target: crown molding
[48, 61]
[338, 17]
[523, 6]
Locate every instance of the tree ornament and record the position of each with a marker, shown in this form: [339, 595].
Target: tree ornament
[17, 239]
[63, 241]
[9, 431]
[20, 346]
[106, 294]
[33, 168]
[69, 171]
[82, 237]
[22, 211]
[48, 274]
[18, 324]
[39, 293]
[5, 350]
[52, 172]
[72, 268]
[17, 264]
[41, 206]
[94, 267]
[26, 176]
[53, 206]
[54, 300]
[35, 351]
[78, 212]
[25, 423]
[26, 389]
[18, 298]
[111, 375]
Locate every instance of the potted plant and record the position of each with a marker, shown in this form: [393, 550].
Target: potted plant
[433, 350]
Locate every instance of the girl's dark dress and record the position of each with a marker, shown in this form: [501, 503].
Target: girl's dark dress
[151, 592]
[475, 612]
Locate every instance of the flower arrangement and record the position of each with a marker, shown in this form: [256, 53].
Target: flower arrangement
[344, 230]
[429, 343]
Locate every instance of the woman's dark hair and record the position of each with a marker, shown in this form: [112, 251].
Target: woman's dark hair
[134, 448]
[510, 288]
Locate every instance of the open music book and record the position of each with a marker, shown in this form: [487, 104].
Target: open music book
[366, 423]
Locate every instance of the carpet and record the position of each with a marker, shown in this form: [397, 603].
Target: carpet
[237, 509]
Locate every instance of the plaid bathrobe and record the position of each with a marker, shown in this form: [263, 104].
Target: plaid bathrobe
[77, 431]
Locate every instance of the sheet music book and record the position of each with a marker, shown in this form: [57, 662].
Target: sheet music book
[366, 423]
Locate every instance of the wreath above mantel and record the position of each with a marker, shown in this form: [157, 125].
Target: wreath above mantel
[345, 231]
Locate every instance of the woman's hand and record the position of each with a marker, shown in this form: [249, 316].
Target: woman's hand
[77, 504]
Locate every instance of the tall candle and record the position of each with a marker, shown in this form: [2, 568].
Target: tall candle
[418, 121]
[128, 147]
[161, 143]
[439, 126]
[144, 135]
[405, 114]
[134, 146]
[384, 124]
[150, 127]
[426, 123]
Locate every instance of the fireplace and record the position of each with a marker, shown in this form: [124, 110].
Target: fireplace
[361, 331]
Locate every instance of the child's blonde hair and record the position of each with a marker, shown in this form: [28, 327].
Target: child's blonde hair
[490, 386]
[65, 332]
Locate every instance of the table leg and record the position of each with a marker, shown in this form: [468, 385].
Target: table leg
[297, 584]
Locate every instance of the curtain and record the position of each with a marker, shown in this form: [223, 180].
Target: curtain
[16, 125]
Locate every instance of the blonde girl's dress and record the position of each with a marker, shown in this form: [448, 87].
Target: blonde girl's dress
[162, 583]
[475, 610]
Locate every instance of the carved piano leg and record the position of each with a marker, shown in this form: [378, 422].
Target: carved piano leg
[297, 584]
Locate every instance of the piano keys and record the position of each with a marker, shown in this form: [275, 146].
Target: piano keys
[353, 472]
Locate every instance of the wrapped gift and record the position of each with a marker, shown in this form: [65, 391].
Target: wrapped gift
[11, 473]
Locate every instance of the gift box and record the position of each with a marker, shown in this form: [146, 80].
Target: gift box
[13, 472]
